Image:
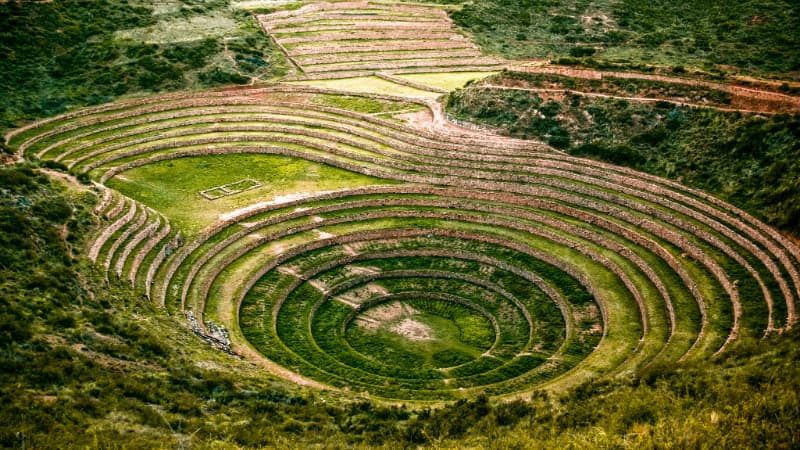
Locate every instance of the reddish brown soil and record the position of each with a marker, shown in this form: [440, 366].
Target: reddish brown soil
[763, 98]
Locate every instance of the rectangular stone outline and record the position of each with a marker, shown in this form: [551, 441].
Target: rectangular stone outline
[225, 190]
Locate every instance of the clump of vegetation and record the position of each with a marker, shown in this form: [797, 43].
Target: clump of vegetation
[88, 61]
[520, 113]
[749, 160]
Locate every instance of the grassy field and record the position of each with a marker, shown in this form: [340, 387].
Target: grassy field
[373, 85]
[431, 336]
[365, 105]
[445, 80]
[173, 187]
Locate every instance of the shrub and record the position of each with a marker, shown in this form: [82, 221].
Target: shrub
[220, 76]
[678, 69]
[54, 165]
[56, 210]
[580, 52]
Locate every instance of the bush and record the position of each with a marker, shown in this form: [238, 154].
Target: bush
[678, 69]
[56, 210]
[54, 165]
[220, 76]
[580, 52]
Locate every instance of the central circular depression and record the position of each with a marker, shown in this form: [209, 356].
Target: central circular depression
[419, 333]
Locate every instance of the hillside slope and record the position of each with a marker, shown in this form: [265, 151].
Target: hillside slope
[755, 36]
[100, 50]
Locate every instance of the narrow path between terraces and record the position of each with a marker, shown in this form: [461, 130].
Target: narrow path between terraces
[622, 97]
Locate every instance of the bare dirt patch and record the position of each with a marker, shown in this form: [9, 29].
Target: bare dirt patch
[358, 296]
[383, 314]
[413, 330]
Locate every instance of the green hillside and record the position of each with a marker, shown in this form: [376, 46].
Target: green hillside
[755, 36]
[60, 55]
